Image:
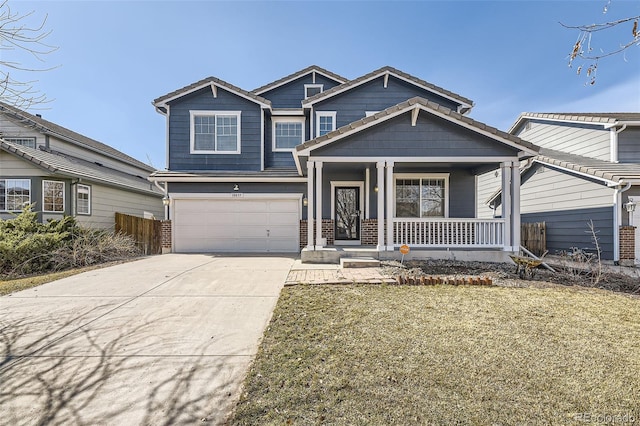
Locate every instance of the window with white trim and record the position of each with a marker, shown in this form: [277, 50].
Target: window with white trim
[28, 142]
[422, 196]
[83, 199]
[215, 132]
[312, 89]
[15, 194]
[52, 196]
[287, 133]
[325, 122]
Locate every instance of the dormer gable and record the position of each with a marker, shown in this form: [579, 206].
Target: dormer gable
[290, 91]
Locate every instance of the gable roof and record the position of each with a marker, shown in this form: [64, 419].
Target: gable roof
[49, 128]
[421, 104]
[70, 166]
[296, 75]
[161, 102]
[387, 70]
[611, 174]
[606, 119]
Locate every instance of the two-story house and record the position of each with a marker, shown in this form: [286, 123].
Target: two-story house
[588, 169]
[317, 162]
[62, 172]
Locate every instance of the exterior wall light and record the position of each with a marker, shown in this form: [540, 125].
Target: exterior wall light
[165, 200]
[630, 206]
[305, 201]
[375, 188]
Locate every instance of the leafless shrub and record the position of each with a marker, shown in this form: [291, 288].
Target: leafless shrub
[90, 247]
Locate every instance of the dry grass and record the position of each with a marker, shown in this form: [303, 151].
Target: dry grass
[360, 354]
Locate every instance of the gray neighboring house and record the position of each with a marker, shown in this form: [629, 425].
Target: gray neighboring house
[320, 163]
[65, 173]
[588, 169]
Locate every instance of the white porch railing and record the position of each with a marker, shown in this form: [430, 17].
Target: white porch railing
[469, 233]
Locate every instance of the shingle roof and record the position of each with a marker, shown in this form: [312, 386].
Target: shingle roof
[614, 172]
[299, 74]
[203, 83]
[603, 118]
[379, 72]
[66, 165]
[407, 105]
[47, 127]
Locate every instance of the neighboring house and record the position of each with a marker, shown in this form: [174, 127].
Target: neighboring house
[588, 169]
[64, 173]
[317, 161]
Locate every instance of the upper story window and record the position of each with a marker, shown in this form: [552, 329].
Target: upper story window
[287, 133]
[312, 89]
[215, 132]
[52, 196]
[15, 194]
[325, 122]
[83, 199]
[28, 142]
[422, 195]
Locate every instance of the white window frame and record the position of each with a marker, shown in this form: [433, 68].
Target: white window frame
[44, 182]
[319, 114]
[192, 137]
[5, 194]
[443, 176]
[275, 120]
[19, 139]
[87, 190]
[312, 86]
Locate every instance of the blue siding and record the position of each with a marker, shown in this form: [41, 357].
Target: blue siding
[568, 228]
[180, 159]
[291, 95]
[629, 145]
[372, 96]
[432, 136]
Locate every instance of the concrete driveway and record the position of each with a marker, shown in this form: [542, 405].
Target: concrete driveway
[162, 340]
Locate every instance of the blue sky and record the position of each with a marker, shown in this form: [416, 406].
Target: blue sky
[115, 57]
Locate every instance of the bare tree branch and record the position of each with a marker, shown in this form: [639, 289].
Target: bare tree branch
[19, 36]
[584, 50]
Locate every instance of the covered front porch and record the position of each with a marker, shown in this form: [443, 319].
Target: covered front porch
[370, 208]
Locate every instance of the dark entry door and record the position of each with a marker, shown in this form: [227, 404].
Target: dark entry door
[347, 205]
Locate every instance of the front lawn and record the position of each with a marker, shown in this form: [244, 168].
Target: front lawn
[358, 354]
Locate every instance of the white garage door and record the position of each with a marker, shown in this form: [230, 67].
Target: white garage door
[236, 225]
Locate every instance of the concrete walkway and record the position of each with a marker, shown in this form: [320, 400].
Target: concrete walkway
[163, 340]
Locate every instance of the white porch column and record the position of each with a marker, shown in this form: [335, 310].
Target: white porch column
[515, 205]
[310, 176]
[506, 203]
[319, 241]
[390, 198]
[380, 184]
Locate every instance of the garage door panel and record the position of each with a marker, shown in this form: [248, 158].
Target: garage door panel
[206, 225]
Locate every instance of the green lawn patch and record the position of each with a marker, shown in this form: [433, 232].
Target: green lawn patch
[359, 354]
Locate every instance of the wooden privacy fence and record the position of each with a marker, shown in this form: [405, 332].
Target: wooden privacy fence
[533, 236]
[146, 232]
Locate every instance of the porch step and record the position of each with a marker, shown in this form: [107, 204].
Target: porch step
[359, 262]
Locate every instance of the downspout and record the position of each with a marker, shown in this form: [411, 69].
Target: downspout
[164, 190]
[613, 135]
[617, 220]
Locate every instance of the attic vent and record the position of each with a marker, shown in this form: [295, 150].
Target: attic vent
[39, 115]
[99, 164]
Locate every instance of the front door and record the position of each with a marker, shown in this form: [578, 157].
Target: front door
[347, 214]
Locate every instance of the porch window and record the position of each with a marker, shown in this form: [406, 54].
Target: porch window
[425, 196]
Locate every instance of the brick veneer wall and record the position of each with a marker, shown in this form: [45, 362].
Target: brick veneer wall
[369, 232]
[627, 243]
[166, 235]
[328, 231]
[303, 234]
